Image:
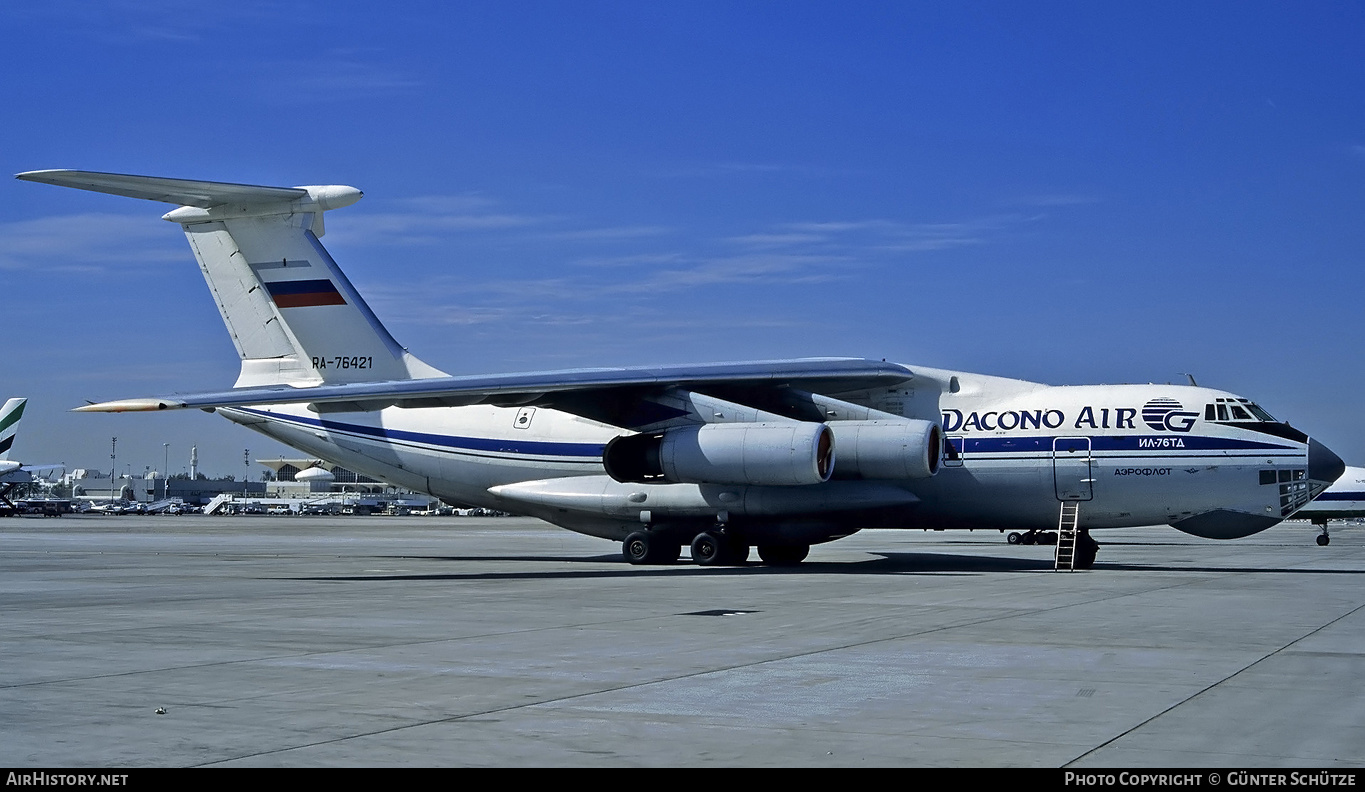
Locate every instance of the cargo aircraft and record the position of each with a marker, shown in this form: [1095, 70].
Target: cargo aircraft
[721, 457]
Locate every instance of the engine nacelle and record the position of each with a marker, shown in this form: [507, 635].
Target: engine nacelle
[784, 454]
[908, 449]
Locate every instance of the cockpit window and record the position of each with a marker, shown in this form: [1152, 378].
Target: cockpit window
[1236, 410]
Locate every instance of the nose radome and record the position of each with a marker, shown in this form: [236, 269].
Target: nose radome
[1323, 464]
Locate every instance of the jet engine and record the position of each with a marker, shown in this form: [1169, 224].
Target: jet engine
[785, 454]
[907, 449]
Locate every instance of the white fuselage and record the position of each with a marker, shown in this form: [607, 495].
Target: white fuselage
[1130, 454]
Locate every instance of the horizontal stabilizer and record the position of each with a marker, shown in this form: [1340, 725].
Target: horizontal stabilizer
[181, 192]
[291, 312]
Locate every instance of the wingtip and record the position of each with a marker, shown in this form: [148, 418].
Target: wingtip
[37, 175]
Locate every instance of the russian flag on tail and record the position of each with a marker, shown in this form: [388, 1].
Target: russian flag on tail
[303, 293]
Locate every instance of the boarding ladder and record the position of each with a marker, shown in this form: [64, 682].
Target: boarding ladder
[1067, 531]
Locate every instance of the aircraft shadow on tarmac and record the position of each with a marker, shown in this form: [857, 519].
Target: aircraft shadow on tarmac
[880, 564]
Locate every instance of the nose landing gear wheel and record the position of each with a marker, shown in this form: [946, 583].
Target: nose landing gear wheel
[1324, 540]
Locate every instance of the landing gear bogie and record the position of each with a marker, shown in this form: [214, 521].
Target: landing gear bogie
[717, 546]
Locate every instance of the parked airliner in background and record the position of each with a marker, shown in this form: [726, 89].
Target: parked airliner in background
[12, 473]
[778, 454]
[1344, 500]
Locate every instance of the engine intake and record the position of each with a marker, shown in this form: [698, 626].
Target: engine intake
[784, 454]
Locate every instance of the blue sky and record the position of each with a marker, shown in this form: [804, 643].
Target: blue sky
[1063, 192]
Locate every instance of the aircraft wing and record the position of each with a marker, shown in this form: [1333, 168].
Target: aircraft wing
[560, 389]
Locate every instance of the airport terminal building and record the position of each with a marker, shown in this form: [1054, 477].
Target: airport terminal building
[283, 482]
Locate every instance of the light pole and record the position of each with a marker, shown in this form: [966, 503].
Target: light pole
[113, 464]
[166, 470]
[246, 477]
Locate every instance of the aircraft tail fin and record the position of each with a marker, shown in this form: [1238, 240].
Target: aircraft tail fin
[293, 315]
[9, 424]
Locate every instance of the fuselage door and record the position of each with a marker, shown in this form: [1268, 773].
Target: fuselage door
[1072, 471]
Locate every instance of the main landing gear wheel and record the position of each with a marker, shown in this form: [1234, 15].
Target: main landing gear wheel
[1324, 540]
[1014, 538]
[707, 549]
[1086, 549]
[783, 555]
[642, 547]
[714, 549]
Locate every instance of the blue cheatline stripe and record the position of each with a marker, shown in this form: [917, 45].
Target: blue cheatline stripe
[1167, 458]
[1168, 443]
[529, 447]
[1340, 496]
